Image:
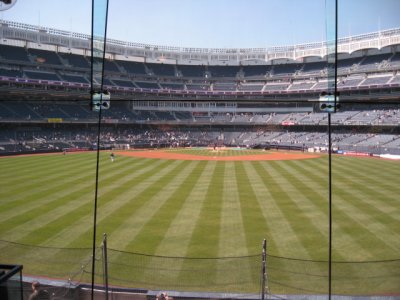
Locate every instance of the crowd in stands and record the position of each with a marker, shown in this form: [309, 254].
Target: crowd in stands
[68, 138]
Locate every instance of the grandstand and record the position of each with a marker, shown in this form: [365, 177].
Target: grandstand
[247, 95]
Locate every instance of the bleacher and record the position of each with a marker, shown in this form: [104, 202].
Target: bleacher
[41, 75]
[376, 80]
[123, 83]
[223, 71]
[371, 62]
[250, 87]
[273, 86]
[172, 86]
[11, 53]
[313, 68]
[76, 61]
[224, 86]
[285, 69]
[11, 73]
[147, 85]
[17, 109]
[299, 85]
[197, 87]
[351, 81]
[162, 70]
[132, 68]
[192, 70]
[255, 71]
[73, 78]
[343, 65]
[44, 57]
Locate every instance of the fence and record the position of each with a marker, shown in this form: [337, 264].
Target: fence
[238, 277]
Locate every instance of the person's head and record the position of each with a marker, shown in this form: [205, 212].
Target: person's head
[162, 296]
[35, 285]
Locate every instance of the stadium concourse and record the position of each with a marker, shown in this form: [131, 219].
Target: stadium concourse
[172, 97]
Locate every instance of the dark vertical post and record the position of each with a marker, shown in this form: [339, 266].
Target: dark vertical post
[330, 208]
[332, 54]
[105, 264]
[98, 47]
[20, 283]
[264, 269]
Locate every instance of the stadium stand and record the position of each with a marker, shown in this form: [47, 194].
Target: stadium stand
[74, 60]
[44, 57]
[132, 68]
[11, 53]
[162, 70]
[193, 75]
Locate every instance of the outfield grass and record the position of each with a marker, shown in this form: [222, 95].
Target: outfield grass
[198, 209]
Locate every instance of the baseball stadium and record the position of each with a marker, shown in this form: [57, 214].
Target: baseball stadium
[143, 171]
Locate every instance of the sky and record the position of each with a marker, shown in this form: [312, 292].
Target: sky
[212, 23]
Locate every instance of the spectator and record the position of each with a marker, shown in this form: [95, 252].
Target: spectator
[38, 293]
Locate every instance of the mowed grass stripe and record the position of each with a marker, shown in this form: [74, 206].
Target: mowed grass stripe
[37, 175]
[171, 200]
[375, 183]
[176, 239]
[132, 208]
[163, 207]
[232, 240]
[347, 241]
[24, 200]
[253, 223]
[378, 190]
[319, 196]
[258, 211]
[144, 212]
[163, 201]
[205, 238]
[284, 228]
[11, 164]
[30, 204]
[275, 225]
[112, 204]
[344, 243]
[381, 196]
[310, 236]
[63, 209]
[83, 221]
[345, 220]
[374, 202]
[388, 169]
[79, 233]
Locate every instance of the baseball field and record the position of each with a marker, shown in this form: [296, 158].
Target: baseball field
[199, 203]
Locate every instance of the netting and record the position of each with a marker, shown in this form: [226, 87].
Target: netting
[296, 276]
[223, 275]
[240, 276]
[71, 265]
